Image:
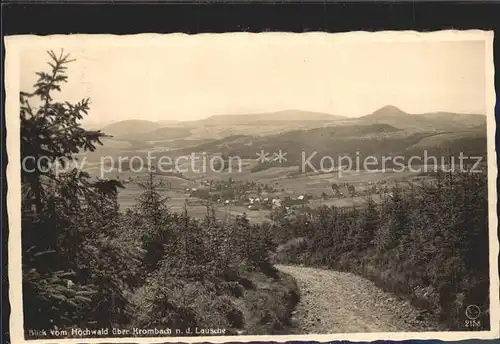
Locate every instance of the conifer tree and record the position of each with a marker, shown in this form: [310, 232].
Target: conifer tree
[153, 211]
[61, 236]
[370, 224]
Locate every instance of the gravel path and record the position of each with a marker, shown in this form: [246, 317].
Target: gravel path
[333, 302]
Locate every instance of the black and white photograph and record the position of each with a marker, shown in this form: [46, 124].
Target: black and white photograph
[237, 186]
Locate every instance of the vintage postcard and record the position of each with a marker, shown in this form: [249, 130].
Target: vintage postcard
[252, 187]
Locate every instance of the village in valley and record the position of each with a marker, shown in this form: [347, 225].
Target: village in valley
[289, 195]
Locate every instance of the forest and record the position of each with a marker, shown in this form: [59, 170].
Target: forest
[87, 265]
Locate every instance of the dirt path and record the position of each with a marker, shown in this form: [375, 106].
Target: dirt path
[333, 302]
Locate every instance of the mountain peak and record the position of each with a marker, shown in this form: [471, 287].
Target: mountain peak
[389, 111]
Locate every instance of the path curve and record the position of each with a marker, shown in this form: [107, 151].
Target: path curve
[340, 302]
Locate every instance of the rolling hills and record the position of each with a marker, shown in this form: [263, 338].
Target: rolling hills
[387, 131]
[219, 126]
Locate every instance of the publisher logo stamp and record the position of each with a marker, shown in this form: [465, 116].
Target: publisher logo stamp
[472, 312]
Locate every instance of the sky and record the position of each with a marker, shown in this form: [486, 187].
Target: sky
[181, 77]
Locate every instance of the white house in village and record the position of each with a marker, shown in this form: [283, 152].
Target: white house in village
[253, 199]
[276, 202]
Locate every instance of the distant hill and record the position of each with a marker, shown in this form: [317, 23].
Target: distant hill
[165, 133]
[166, 123]
[129, 128]
[95, 125]
[270, 117]
[455, 120]
[437, 121]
